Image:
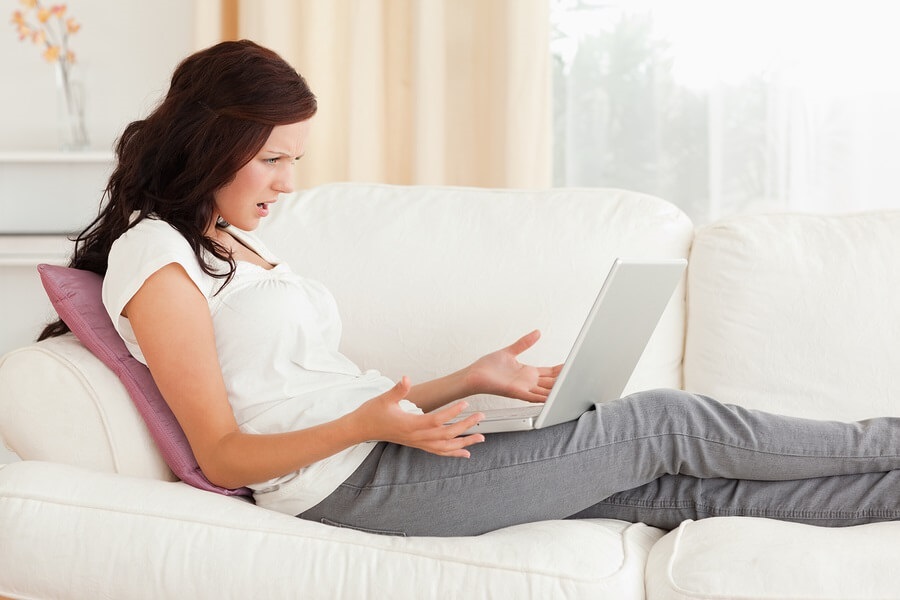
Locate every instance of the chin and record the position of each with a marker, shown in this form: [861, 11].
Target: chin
[245, 224]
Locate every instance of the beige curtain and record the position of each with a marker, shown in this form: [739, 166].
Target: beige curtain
[445, 92]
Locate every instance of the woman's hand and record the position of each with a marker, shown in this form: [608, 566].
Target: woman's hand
[382, 419]
[500, 373]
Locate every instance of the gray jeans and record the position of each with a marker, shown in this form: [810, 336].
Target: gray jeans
[657, 457]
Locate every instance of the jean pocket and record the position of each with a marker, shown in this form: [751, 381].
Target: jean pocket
[363, 529]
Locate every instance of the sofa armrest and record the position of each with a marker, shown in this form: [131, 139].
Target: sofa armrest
[746, 557]
[59, 403]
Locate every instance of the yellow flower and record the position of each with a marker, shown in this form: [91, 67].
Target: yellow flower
[51, 54]
[51, 36]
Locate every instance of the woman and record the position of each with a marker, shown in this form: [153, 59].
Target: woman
[245, 353]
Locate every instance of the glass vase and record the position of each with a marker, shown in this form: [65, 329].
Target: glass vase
[71, 130]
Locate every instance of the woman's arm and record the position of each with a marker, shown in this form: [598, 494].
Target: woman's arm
[171, 321]
[499, 373]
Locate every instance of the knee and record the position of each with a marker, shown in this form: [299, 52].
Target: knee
[665, 404]
[668, 397]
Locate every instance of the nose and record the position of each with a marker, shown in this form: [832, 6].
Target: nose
[284, 183]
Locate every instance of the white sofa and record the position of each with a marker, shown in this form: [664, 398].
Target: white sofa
[790, 313]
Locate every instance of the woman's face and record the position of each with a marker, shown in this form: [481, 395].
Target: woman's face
[246, 200]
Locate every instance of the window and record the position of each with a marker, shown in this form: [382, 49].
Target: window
[725, 107]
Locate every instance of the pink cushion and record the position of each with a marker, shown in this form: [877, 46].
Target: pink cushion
[75, 294]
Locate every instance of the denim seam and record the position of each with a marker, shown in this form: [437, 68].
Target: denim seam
[611, 443]
[792, 454]
[756, 512]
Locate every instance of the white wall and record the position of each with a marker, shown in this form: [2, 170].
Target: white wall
[127, 49]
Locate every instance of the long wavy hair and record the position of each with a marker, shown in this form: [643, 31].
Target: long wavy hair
[222, 104]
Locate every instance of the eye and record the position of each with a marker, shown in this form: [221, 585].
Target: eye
[270, 161]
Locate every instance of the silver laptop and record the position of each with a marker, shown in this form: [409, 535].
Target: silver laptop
[606, 351]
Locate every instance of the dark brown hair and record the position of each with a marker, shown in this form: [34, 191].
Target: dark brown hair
[222, 104]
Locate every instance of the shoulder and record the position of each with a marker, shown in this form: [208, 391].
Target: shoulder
[146, 247]
[140, 252]
[150, 234]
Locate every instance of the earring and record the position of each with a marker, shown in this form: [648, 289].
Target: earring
[220, 222]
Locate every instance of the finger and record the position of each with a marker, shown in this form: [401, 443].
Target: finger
[448, 413]
[546, 382]
[454, 430]
[400, 389]
[463, 441]
[446, 440]
[457, 446]
[469, 440]
[455, 454]
[550, 371]
[525, 342]
[461, 453]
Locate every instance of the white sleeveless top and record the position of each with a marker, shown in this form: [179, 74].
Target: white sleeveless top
[277, 337]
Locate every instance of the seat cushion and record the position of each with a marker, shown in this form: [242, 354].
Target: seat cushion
[746, 558]
[96, 533]
[797, 314]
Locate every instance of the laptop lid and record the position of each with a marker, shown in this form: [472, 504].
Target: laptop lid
[613, 337]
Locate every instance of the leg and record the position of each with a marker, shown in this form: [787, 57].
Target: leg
[560, 471]
[674, 432]
[838, 501]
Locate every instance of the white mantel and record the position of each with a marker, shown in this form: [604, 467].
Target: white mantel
[51, 192]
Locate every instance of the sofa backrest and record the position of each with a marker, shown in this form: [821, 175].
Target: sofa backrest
[798, 314]
[427, 279]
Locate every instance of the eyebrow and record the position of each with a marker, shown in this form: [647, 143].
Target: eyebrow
[285, 154]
